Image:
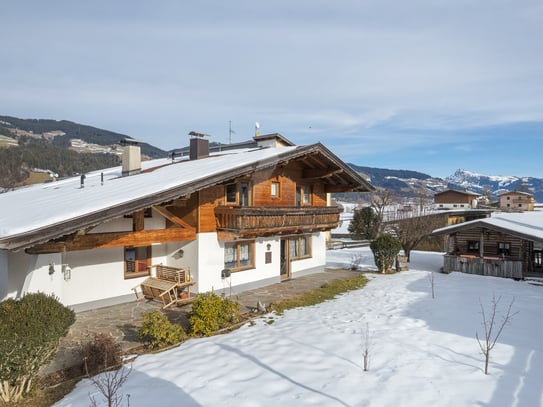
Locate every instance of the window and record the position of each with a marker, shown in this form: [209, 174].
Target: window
[306, 195]
[237, 194]
[239, 255]
[300, 247]
[137, 261]
[274, 189]
[473, 246]
[504, 248]
[231, 193]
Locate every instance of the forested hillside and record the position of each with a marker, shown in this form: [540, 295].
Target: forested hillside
[72, 130]
[16, 163]
[28, 144]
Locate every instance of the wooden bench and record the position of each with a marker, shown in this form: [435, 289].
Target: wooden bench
[167, 285]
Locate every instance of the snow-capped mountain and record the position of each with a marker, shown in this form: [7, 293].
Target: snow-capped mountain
[463, 179]
[410, 184]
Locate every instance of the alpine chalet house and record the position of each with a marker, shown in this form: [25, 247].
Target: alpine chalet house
[454, 199]
[252, 214]
[517, 201]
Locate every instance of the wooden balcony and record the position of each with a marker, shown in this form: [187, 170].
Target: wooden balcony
[251, 222]
[484, 266]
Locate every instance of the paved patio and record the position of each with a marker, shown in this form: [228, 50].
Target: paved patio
[122, 321]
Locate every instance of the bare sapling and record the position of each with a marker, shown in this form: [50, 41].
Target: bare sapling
[356, 261]
[366, 344]
[492, 327]
[109, 383]
[432, 281]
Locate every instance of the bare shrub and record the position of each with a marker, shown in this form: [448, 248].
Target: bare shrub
[99, 352]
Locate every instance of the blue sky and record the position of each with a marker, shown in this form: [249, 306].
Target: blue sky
[430, 86]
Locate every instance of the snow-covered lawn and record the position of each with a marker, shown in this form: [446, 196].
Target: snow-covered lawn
[423, 351]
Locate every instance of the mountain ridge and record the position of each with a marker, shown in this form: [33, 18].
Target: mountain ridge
[63, 134]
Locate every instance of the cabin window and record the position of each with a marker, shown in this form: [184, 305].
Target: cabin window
[274, 190]
[504, 248]
[239, 256]
[473, 246]
[300, 247]
[137, 261]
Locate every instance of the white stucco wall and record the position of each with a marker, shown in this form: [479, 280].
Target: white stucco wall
[318, 255]
[31, 273]
[182, 255]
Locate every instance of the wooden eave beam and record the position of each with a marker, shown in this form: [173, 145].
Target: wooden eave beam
[115, 239]
[173, 218]
[316, 174]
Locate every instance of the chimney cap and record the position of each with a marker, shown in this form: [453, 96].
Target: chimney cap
[130, 142]
[196, 134]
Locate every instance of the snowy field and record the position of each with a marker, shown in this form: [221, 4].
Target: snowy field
[423, 351]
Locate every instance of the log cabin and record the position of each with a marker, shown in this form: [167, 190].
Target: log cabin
[245, 216]
[502, 245]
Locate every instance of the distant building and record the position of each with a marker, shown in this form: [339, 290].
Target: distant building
[454, 199]
[517, 201]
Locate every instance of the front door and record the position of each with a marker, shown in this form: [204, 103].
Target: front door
[285, 260]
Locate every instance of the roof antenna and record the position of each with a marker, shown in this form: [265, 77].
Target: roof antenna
[230, 132]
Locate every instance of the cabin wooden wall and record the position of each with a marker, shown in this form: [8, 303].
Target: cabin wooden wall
[452, 197]
[491, 240]
[261, 188]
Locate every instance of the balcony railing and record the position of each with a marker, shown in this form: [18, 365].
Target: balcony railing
[485, 266]
[247, 222]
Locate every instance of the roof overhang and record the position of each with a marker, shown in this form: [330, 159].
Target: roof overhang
[344, 180]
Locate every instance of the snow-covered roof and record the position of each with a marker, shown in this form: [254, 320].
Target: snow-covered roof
[526, 225]
[45, 210]
[463, 192]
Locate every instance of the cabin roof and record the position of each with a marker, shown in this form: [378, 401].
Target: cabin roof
[41, 212]
[525, 225]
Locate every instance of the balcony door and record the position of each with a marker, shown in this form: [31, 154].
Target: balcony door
[285, 260]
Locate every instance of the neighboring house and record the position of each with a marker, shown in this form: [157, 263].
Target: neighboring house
[261, 212]
[453, 199]
[503, 245]
[517, 201]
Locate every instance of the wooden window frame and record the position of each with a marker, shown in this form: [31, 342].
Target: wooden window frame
[306, 195]
[137, 262]
[298, 239]
[473, 246]
[237, 192]
[227, 194]
[237, 245]
[275, 189]
[504, 248]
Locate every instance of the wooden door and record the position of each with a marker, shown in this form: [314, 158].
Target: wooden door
[285, 260]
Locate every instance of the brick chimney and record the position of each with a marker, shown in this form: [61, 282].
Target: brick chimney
[131, 158]
[199, 146]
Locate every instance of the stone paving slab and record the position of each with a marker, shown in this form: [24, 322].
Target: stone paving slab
[122, 321]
